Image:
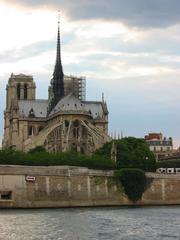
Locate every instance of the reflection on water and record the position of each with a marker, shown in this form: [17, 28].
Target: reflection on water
[91, 223]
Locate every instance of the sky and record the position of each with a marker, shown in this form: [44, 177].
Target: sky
[127, 49]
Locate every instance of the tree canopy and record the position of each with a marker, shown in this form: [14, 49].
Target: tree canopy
[133, 181]
[132, 153]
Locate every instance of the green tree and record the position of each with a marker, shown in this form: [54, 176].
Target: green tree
[132, 153]
[133, 181]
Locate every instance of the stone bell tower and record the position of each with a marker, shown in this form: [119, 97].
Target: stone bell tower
[19, 87]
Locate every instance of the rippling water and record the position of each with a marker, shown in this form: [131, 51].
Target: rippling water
[95, 223]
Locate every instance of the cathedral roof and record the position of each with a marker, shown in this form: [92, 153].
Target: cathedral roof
[39, 108]
[95, 108]
[69, 104]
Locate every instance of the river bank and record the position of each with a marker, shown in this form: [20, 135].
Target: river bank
[66, 186]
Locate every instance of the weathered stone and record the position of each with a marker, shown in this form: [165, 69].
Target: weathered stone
[64, 186]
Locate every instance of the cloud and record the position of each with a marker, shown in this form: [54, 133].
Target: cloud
[28, 51]
[127, 49]
[141, 13]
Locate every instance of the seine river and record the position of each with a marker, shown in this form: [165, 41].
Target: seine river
[91, 223]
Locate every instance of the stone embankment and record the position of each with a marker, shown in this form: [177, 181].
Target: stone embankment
[66, 186]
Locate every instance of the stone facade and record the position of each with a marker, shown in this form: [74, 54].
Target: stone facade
[71, 186]
[64, 122]
[72, 125]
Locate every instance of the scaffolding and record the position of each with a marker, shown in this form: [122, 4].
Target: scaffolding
[75, 85]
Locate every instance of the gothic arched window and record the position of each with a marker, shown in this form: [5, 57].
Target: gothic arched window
[18, 91]
[30, 130]
[25, 91]
[76, 125]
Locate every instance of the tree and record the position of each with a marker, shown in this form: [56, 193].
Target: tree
[132, 153]
[133, 181]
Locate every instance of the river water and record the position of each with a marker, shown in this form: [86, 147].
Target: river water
[153, 223]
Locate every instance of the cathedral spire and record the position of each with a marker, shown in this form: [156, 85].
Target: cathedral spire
[58, 66]
[57, 82]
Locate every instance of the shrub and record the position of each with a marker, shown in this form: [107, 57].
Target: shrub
[169, 164]
[133, 182]
[41, 158]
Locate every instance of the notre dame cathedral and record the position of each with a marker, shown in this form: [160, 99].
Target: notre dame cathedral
[63, 122]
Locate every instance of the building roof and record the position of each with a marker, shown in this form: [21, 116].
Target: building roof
[21, 75]
[153, 136]
[95, 108]
[39, 108]
[68, 104]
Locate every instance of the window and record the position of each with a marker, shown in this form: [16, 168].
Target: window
[66, 123]
[25, 91]
[18, 91]
[5, 195]
[31, 113]
[84, 132]
[74, 132]
[30, 131]
[170, 170]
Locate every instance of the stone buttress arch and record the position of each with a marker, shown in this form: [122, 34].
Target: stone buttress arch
[39, 140]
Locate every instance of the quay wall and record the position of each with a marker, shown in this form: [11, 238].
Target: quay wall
[65, 186]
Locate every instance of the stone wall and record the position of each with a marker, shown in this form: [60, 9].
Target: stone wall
[67, 186]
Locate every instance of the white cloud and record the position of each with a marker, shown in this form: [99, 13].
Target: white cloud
[21, 27]
[105, 29]
[30, 65]
[137, 69]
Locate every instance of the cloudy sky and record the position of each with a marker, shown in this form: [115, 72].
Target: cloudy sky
[128, 49]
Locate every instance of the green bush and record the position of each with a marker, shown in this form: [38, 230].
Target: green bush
[41, 158]
[133, 182]
[169, 164]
